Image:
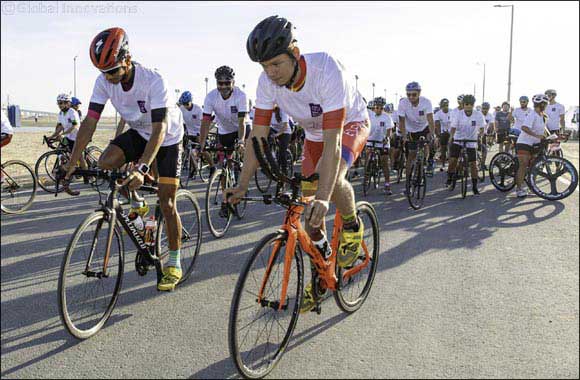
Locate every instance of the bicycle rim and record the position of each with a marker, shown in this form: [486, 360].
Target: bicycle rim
[259, 333]
[190, 215]
[368, 174]
[354, 290]
[18, 188]
[553, 178]
[263, 183]
[44, 171]
[218, 225]
[86, 302]
[502, 171]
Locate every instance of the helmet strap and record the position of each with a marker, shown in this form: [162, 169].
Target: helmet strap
[288, 84]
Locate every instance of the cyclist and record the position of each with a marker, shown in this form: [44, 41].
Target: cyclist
[442, 120]
[6, 132]
[192, 115]
[397, 137]
[555, 112]
[532, 133]
[416, 121]
[380, 134]
[281, 131]
[315, 90]
[143, 99]
[467, 125]
[229, 105]
[489, 118]
[459, 108]
[502, 127]
[518, 115]
[75, 103]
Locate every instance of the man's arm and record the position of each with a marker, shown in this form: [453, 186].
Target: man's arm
[431, 123]
[241, 127]
[158, 132]
[120, 127]
[437, 127]
[86, 131]
[402, 127]
[204, 130]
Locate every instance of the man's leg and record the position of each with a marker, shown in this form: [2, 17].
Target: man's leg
[523, 158]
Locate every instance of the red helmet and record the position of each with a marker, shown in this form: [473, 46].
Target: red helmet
[109, 48]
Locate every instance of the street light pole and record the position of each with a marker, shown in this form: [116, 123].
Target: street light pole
[373, 90]
[511, 48]
[75, 75]
[385, 94]
[356, 82]
[205, 86]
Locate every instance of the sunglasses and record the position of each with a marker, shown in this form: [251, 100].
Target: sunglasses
[59, 103]
[112, 71]
[412, 94]
[224, 82]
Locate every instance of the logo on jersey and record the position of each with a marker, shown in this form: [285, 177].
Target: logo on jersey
[141, 104]
[421, 113]
[234, 109]
[553, 109]
[194, 117]
[382, 123]
[473, 123]
[315, 110]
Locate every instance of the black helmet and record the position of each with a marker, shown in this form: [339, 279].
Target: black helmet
[444, 101]
[271, 37]
[379, 101]
[468, 99]
[225, 72]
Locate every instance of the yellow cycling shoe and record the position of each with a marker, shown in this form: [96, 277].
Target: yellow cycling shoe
[171, 276]
[350, 245]
[308, 302]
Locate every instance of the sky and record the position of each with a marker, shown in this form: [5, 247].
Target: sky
[441, 45]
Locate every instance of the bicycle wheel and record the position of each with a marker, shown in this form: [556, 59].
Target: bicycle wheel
[416, 186]
[263, 183]
[503, 168]
[354, 290]
[462, 172]
[400, 166]
[203, 168]
[187, 169]
[289, 164]
[190, 215]
[259, 332]
[18, 187]
[553, 178]
[480, 167]
[368, 176]
[45, 170]
[377, 173]
[218, 220]
[87, 297]
[93, 153]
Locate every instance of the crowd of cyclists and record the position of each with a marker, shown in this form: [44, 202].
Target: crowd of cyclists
[303, 99]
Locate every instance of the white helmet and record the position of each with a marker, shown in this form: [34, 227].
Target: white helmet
[540, 98]
[63, 98]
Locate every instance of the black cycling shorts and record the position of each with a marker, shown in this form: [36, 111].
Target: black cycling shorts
[455, 151]
[396, 142]
[533, 149]
[228, 140]
[444, 138]
[168, 157]
[414, 137]
[502, 136]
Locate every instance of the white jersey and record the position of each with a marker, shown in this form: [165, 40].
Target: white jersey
[6, 126]
[468, 127]
[415, 117]
[327, 88]
[534, 122]
[444, 119]
[277, 126]
[70, 119]
[379, 126]
[554, 111]
[192, 119]
[149, 91]
[520, 115]
[455, 112]
[489, 118]
[226, 110]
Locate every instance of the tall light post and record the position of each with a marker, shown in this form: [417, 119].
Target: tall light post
[75, 76]
[205, 79]
[356, 81]
[385, 94]
[373, 90]
[511, 45]
[483, 86]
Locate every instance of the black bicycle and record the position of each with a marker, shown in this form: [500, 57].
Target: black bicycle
[549, 177]
[49, 163]
[193, 165]
[218, 214]
[263, 183]
[462, 170]
[18, 186]
[416, 182]
[373, 167]
[92, 268]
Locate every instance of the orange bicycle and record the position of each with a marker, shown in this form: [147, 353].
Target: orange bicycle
[266, 302]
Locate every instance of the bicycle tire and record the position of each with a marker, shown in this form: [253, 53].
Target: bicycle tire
[63, 280]
[11, 184]
[418, 181]
[291, 313]
[503, 168]
[561, 165]
[190, 236]
[480, 168]
[366, 212]
[44, 171]
[367, 176]
[462, 166]
[92, 155]
[213, 197]
[263, 183]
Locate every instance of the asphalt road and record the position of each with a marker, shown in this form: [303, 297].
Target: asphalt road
[482, 287]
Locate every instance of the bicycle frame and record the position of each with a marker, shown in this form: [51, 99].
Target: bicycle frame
[297, 235]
